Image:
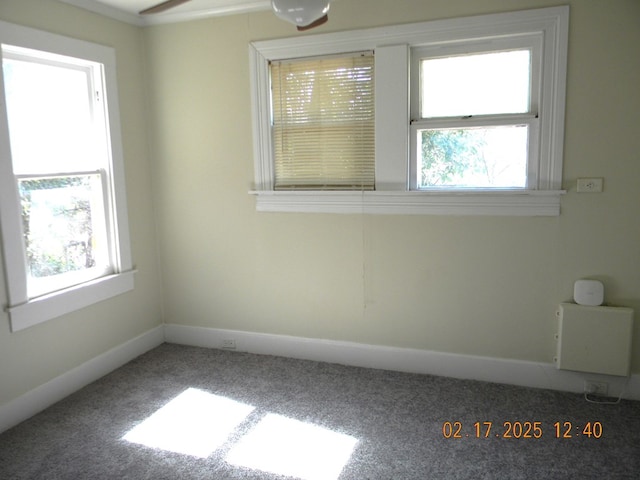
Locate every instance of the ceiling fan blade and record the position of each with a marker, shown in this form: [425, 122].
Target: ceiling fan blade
[314, 24]
[161, 7]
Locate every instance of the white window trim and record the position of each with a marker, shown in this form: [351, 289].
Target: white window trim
[25, 312]
[392, 50]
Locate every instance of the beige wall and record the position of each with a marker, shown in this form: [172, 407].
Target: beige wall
[31, 357]
[473, 285]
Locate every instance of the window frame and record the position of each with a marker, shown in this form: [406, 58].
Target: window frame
[23, 311]
[533, 43]
[77, 277]
[392, 46]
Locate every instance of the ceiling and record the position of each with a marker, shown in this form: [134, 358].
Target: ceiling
[127, 10]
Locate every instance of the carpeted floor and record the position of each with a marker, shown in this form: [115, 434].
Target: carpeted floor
[231, 415]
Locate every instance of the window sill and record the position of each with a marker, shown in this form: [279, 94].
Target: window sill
[505, 203]
[74, 298]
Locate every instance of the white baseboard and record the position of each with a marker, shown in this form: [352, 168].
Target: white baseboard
[511, 372]
[56, 389]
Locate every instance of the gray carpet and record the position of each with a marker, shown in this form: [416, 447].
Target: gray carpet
[385, 425]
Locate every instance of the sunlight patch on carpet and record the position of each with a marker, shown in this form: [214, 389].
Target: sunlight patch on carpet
[289, 447]
[193, 423]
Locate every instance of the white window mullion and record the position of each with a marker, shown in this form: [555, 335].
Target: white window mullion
[392, 127]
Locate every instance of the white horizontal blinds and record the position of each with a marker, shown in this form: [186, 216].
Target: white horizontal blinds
[323, 123]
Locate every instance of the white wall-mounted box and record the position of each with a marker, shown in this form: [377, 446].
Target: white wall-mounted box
[595, 339]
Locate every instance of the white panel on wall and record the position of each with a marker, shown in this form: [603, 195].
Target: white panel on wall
[595, 339]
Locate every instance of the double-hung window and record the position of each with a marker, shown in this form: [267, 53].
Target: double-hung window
[63, 210]
[468, 118]
[475, 116]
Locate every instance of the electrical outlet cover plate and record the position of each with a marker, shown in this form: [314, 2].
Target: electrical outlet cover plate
[229, 343]
[596, 388]
[590, 185]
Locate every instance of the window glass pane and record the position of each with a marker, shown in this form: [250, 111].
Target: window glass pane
[50, 103]
[479, 84]
[483, 157]
[65, 238]
[323, 123]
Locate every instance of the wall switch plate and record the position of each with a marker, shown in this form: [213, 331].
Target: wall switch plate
[590, 185]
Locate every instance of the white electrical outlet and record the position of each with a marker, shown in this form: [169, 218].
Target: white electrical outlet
[596, 388]
[590, 185]
[229, 344]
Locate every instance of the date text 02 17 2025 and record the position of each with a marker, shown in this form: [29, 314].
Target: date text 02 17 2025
[517, 430]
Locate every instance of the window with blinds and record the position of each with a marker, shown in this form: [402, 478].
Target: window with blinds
[323, 123]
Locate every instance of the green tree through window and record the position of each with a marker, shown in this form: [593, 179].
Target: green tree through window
[62, 206]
